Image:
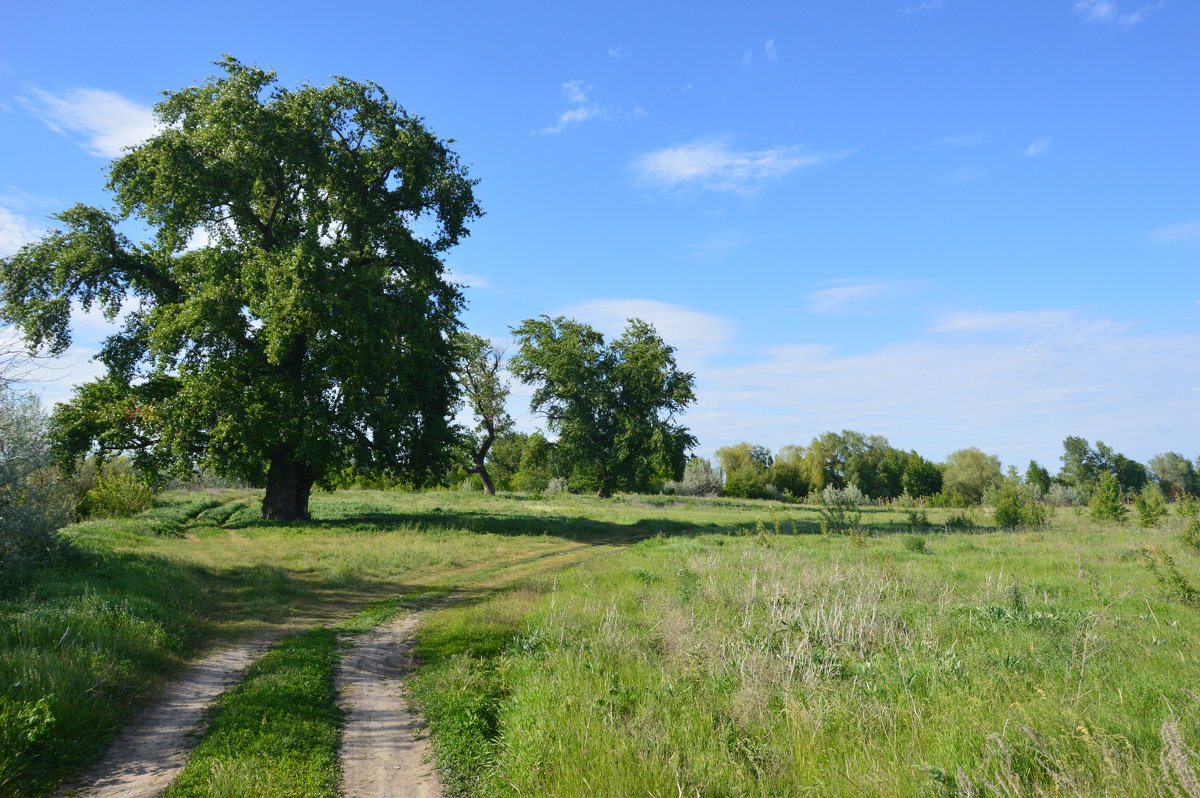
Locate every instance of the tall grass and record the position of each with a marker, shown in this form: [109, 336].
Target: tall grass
[1013, 664]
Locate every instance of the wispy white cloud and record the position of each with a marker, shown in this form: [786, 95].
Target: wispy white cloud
[918, 8]
[15, 232]
[969, 380]
[618, 52]
[855, 294]
[581, 107]
[1037, 147]
[1111, 13]
[1182, 233]
[106, 122]
[769, 49]
[747, 58]
[713, 165]
[696, 335]
[469, 280]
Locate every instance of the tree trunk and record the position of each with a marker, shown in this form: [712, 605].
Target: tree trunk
[288, 488]
[484, 477]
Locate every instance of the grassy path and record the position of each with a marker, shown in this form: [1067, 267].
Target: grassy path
[275, 733]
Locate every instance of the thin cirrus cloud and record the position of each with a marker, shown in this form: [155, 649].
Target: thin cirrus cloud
[581, 107]
[696, 334]
[1182, 233]
[104, 123]
[1111, 12]
[919, 8]
[1037, 147]
[967, 380]
[15, 232]
[855, 294]
[713, 165]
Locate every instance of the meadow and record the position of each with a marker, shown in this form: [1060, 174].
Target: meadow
[639, 645]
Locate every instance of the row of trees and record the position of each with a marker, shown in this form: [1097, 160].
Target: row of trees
[293, 323]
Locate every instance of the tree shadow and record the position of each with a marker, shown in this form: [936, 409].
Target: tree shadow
[574, 528]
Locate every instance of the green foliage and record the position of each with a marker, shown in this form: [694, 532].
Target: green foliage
[744, 455]
[1163, 566]
[534, 473]
[969, 473]
[1174, 473]
[1106, 503]
[748, 482]
[276, 733]
[612, 405]
[787, 473]
[485, 391]
[1190, 536]
[1038, 477]
[1187, 506]
[1151, 505]
[838, 512]
[1015, 505]
[116, 494]
[311, 330]
[916, 544]
[699, 479]
[33, 499]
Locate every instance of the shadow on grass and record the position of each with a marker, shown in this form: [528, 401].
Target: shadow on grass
[582, 530]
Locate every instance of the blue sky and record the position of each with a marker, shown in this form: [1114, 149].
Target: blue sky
[954, 223]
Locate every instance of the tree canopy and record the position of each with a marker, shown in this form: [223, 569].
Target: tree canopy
[290, 315]
[612, 406]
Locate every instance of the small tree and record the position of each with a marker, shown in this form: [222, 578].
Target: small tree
[1038, 477]
[1106, 504]
[1151, 506]
[485, 391]
[970, 472]
[32, 502]
[612, 406]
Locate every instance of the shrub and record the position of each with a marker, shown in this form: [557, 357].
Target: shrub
[1190, 536]
[1106, 504]
[1061, 495]
[1014, 506]
[916, 544]
[117, 494]
[838, 510]
[1187, 506]
[557, 485]
[1162, 565]
[957, 522]
[33, 500]
[699, 479]
[748, 483]
[1151, 505]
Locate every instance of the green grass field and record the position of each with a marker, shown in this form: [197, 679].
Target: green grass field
[697, 648]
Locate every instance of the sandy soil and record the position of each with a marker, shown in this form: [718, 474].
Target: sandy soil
[152, 750]
[384, 754]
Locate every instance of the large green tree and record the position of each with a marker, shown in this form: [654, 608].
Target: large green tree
[612, 406]
[290, 314]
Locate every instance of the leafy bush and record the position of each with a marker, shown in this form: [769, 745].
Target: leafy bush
[1015, 506]
[957, 522]
[699, 479]
[557, 485]
[850, 495]
[1190, 536]
[748, 483]
[1061, 495]
[916, 544]
[1151, 505]
[33, 500]
[1106, 504]
[1187, 506]
[117, 494]
[838, 511]
[1177, 586]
